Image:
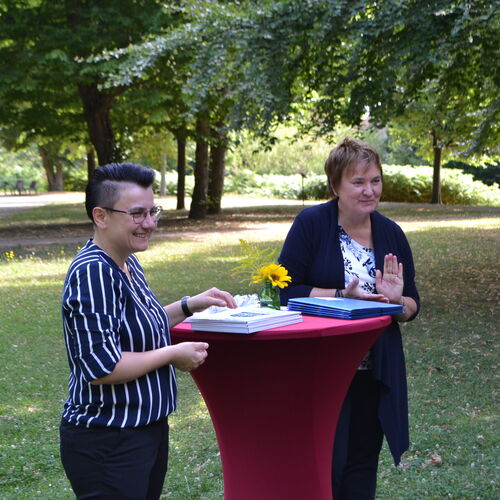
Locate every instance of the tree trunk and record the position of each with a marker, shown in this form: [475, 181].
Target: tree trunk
[436, 177]
[163, 171]
[198, 208]
[217, 170]
[59, 183]
[53, 170]
[97, 108]
[90, 162]
[181, 169]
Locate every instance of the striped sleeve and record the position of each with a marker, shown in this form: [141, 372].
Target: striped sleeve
[93, 313]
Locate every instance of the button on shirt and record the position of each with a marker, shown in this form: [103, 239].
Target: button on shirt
[104, 314]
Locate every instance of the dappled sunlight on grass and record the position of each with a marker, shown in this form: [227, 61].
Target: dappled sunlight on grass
[483, 223]
[25, 409]
[172, 250]
[35, 282]
[40, 254]
[451, 351]
[44, 216]
[229, 247]
[190, 413]
[33, 273]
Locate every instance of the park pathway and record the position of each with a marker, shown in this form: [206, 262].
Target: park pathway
[11, 204]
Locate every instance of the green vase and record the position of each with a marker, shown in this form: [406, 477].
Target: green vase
[270, 296]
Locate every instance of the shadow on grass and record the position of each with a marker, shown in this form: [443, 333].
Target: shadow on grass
[450, 347]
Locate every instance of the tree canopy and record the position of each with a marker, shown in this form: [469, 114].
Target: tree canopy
[90, 71]
[48, 84]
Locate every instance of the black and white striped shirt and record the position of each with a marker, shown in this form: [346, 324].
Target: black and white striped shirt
[104, 314]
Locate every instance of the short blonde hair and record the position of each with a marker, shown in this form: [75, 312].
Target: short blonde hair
[345, 155]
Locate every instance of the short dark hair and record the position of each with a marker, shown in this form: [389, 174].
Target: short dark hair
[103, 188]
[345, 155]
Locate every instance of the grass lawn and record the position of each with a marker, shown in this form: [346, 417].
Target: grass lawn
[451, 349]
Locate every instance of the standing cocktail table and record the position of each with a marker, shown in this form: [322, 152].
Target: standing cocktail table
[274, 398]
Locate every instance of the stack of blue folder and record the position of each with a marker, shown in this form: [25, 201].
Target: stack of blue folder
[340, 307]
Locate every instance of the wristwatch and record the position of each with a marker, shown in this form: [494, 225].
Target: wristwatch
[184, 305]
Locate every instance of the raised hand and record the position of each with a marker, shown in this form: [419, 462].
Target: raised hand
[390, 282]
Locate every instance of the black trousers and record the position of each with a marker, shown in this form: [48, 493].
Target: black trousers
[358, 441]
[104, 463]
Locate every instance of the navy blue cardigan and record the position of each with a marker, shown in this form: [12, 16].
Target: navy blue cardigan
[313, 257]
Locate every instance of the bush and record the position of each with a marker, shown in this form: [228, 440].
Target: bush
[286, 157]
[414, 184]
[401, 184]
[21, 165]
[244, 181]
[75, 179]
[317, 189]
[489, 173]
[171, 183]
[407, 184]
[461, 189]
[314, 188]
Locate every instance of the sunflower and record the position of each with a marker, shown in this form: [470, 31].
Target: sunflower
[276, 274]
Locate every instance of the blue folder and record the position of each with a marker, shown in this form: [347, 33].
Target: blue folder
[341, 307]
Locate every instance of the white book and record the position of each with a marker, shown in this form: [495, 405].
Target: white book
[248, 319]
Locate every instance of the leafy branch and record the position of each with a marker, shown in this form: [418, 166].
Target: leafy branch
[252, 259]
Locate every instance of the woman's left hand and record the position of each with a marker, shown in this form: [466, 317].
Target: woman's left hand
[211, 297]
[390, 283]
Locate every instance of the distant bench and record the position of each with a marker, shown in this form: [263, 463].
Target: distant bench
[18, 188]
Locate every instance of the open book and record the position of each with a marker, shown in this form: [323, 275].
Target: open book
[248, 319]
[341, 307]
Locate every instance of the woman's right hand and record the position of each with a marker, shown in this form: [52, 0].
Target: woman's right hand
[188, 356]
[352, 291]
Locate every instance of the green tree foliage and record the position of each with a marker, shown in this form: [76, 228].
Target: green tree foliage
[48, 83]
[427, 67]
[329, 62]
[180, 102]
[155, 149]
[23, 164]
[250, 64]
[287, 156]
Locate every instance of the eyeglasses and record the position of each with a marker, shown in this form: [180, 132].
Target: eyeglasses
[140, 215]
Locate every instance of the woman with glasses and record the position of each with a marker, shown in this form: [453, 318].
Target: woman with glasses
[122, 387]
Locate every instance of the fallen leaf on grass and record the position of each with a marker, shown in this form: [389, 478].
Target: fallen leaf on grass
[435, 459]
[433, 369]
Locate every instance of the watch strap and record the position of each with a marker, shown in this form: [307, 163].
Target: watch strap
[185, 308]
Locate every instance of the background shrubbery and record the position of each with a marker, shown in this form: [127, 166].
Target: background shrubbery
[489, 173]
[23, 165]
[401, 184]
[293, 169]
[414, 184]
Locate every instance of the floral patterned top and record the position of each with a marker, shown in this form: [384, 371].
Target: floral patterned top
[359, 262]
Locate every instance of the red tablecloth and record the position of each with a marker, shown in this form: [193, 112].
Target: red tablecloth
[274, 398]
